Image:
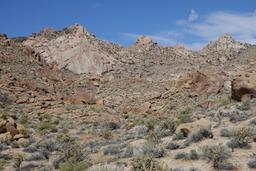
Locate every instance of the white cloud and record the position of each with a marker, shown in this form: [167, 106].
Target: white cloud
[195, 33]
[239, 25]
[193, 15]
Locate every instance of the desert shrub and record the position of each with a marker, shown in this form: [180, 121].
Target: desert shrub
[108, 167]
[252, 164]
[181, 155]
[225, 166]
[17, 161]
[73, 166]
[128, 152]
[1, 165]
[241, 138]
[45, 126]
[172, 146]
[253, 121]
[178, 136]
[223, 101]
[5, 99]
[105, 133]
[147, 163]
[200, 135]
[167, 126]
[70, 148]
[150, 124]
[35, 156]
[217, 154]
[194, 169]
[184, 115]
[112, 149]
[192, 155]
[150, 149]
[244, 105]
[237, 116]
[226, 132]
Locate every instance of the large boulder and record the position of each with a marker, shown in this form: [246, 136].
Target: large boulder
[187, 128]
[244, 85]
[200, 82]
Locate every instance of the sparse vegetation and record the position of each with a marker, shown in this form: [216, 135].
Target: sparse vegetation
[217, 154]
[17, 161]
[192, 155]
[241, 138]
[73, 166]
[252, 164]
[200, 135]
[184, 115]
[147, 163]
[172, 146]
[226, 132]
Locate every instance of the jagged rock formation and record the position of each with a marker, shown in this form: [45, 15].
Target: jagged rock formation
[143, 93]
[73, 48]
[79, 51]
[223, 49]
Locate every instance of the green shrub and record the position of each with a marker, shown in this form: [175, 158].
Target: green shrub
[216, 153]
[241, 138]
[1, 165]
[192, 155]
[169, 124]
[200, 135]
[184, 115]
[226, 132]
[73, 166]
[147, 163]
[17, 161]
[178, 136]
[70, 148]
[252, 164]
[172, 146]
[150, 125]
[105, 133]
[244, 105]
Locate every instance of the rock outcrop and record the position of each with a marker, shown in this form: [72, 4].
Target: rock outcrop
[72, 48]
[244, 85]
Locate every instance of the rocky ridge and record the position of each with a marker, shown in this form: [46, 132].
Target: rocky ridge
[165, 103]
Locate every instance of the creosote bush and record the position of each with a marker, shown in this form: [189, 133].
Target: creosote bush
[184, 115]
[70, 148]
[200, 135]
[217, 154]
[192, 155]
[241, 138]
[73, 166]
[147, 163]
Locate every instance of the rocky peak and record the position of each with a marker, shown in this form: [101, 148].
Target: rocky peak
[144, 41]
[72, 48]
[224, 42]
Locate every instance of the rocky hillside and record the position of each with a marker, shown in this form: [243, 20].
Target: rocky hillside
[69, 101]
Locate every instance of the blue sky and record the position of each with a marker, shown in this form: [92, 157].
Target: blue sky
[188, 22]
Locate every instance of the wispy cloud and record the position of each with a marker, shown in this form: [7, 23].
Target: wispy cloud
[241, 26]
[193, 15]
[195, 32]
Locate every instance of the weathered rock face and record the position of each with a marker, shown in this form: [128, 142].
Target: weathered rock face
[202, 83]
[244, 85]
[223, 49]
[72, 48]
